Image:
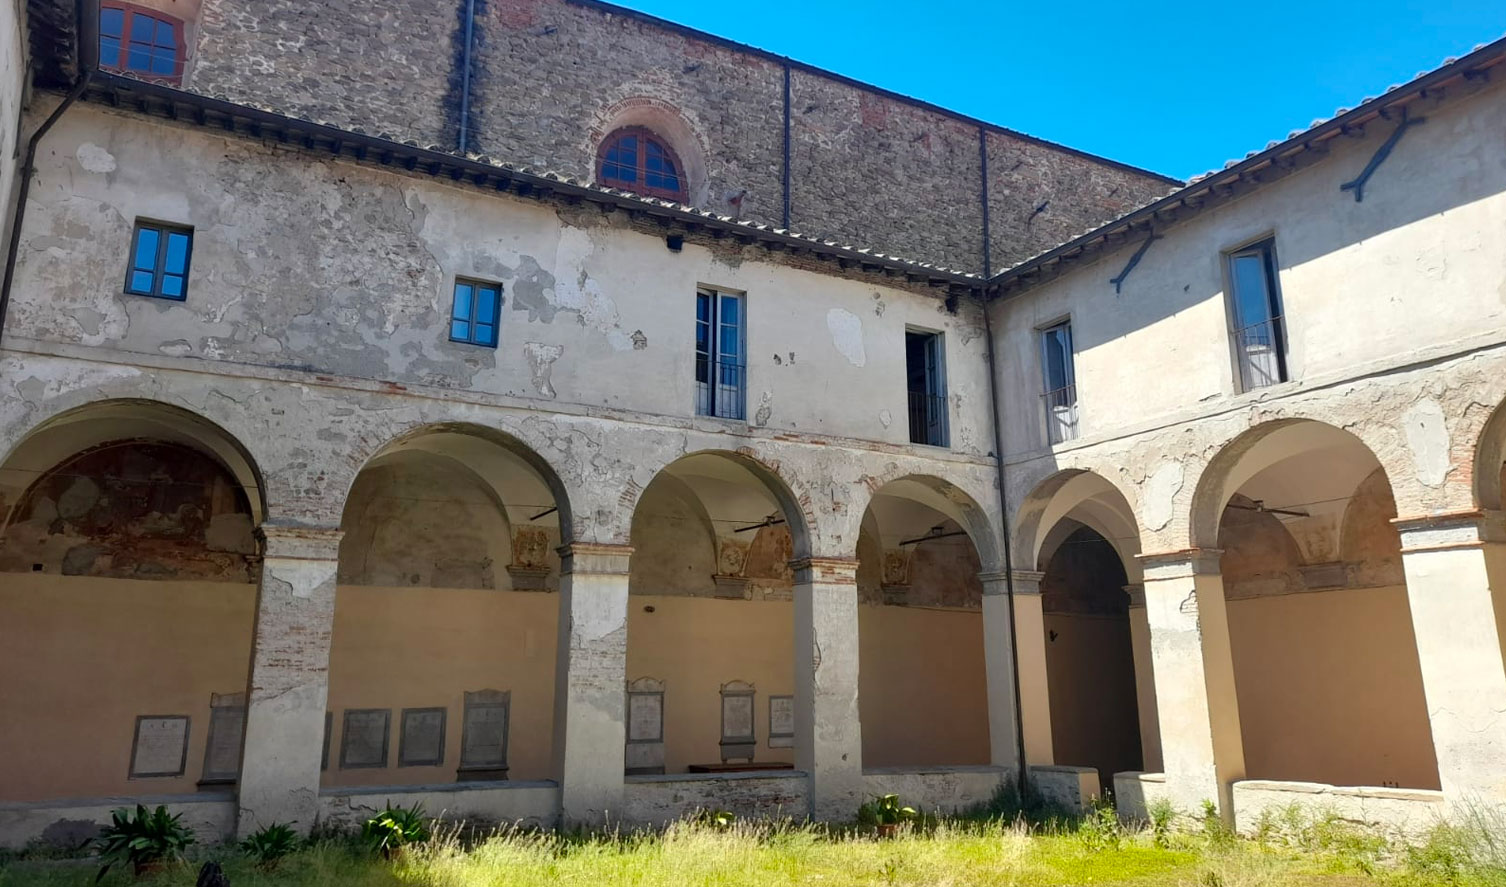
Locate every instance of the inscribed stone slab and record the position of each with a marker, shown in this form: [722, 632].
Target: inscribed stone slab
[645, 717]
[160, 747]
[781, 721]
[363, 741]
[483, 734]
[422, 739]
[227, 723]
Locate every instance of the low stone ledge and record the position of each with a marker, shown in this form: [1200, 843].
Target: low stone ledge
[1135, 791]
[1402, 814]
[768, 794]
[1071, 788]
[72, 822]
[526, 802]
[943, 789]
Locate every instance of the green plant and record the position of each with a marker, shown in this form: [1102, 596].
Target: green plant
[395, 828]
[1100, 828]
[143, 840]
[885, 810]
[717, 819]
[270, 843]
[1215, 829]
[1161, 813]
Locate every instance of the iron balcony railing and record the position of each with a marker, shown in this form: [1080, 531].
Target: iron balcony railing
[720, 388]
[1061, 414]
[928, 419]
[1258, 349]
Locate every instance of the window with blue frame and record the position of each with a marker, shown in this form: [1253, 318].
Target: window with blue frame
[720, 367]
[159, 261]
[477, 308]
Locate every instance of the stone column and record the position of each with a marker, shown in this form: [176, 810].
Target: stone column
[1456, 585]
[1145, 682]
[828, 732]
[289, 680]
[1003, 626]
[1198, 713]
[590, 677]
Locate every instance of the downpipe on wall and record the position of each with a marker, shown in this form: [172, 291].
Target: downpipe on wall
[88, 47]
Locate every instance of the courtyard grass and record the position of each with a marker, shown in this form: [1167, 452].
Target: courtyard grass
[1317, 852]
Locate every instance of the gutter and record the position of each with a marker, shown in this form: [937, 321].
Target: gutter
[87, 63]
[465, 76]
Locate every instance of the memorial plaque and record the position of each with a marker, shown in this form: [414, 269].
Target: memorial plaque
[227, 724]
[483, 733]
[160, 746]
[645, 727]
[421, 743]
[738, 738]
[781, 721]
[645, 717]
[363, 739]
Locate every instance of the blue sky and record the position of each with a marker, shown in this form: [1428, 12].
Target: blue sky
[1176, 87]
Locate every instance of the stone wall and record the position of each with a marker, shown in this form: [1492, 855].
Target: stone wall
[550, 78]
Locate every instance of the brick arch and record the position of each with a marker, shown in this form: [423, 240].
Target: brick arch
[664, 120]
[1071, 492]
[958, 504]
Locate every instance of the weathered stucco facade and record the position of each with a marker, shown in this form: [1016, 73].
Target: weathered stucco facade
[293, 552]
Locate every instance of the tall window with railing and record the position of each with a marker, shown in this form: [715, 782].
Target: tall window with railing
[1060, 378]
[720, 367]
[1258, 333]
[925, 381]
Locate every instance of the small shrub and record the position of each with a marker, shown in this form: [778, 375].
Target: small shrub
[393, 829]
[885, 813]
[1215, 829]
[269, 844]
[143, 840]
[1100, 828]
[721, 820]
[1161, 813]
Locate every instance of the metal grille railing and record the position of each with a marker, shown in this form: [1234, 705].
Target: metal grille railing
[1061, 414]
[720, 387]
[1258, 350]
[928, 419]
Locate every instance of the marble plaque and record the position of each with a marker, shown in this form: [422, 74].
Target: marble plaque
[421, 743]
[483, 734]
[160, 747]
[227, 724]
[363, 739]
[781, 721]
[645, 717]
[737, 712]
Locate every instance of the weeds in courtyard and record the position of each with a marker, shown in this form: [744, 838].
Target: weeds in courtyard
[993, 846]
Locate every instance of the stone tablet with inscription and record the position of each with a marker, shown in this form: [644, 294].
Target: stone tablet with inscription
[227, 722]
[160, 747]
[483, 736]
[422, 742]
[363, 741]
[645, 717]
[781, 721]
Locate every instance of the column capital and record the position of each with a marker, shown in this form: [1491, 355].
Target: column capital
[825, 569]
[1136, 594]
[1025, 582]
[594, 557]
[298, 543]
[1450, 530]
[1180, 564]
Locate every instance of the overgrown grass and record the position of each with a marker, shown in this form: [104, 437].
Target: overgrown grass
[1290, 850]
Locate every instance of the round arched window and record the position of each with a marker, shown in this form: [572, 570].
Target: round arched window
[635, 159]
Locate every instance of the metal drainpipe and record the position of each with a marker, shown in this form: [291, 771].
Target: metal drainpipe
[786, 144]
[1022, 775]
[87, 57]
[465, 76]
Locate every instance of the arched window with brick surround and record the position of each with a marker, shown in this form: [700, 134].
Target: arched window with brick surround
[636, 159]
[141, 42]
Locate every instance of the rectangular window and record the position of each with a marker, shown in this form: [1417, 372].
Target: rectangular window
[476, 311]
[720, 367]
[1061, 382]
[1255, 306]
[925, 381]
[159, 261]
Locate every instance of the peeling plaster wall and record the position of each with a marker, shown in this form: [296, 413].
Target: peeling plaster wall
[362, 287]
[1395, 310]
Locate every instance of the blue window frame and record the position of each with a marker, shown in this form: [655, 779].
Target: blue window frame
[720, 369]
[159, 261]
[477, 308]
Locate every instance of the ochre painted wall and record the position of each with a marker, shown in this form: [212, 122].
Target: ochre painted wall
[1330, 689]
[424, 648]
[1091, 678]
[82, 657]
